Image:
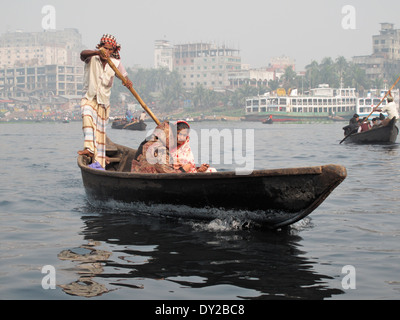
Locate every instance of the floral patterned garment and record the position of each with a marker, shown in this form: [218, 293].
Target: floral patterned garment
[183, 155]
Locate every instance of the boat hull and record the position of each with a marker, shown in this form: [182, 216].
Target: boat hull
[272, 198]
[296, 117]
[138, 126]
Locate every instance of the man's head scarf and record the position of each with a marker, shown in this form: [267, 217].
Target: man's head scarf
[109, 39]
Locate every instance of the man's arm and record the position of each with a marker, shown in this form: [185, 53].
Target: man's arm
[85, 54]
[129, 83]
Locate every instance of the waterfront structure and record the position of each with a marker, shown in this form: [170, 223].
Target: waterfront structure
[250, 76]
[40, 64]
[41, 81]
[384, 62]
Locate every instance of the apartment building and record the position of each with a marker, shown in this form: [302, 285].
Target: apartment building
[41, 81]
[40, 48]
[163, 55]
[40, 64]
[199, 63]
[384, 62]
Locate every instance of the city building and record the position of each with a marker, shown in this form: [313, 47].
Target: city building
[205, 64]
[40, 48]
[279, 64]
[250, 76]
[384, 62]
[40, 64]
[163, 55]
[41, 81]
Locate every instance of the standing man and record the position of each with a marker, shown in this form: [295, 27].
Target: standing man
[390, 109]
[95, 105]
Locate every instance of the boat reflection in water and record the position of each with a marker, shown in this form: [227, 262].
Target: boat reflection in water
[140, 256]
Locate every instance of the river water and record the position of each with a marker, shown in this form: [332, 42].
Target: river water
[348, 248]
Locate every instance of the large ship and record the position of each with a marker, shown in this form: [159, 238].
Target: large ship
[365, 105]
[322, 103]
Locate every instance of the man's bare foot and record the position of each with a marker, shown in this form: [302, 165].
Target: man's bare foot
[86, 152]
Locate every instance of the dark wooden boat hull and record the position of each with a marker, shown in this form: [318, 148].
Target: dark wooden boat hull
[270, 198]
[380, 135]
[268, 121]
[121, 124]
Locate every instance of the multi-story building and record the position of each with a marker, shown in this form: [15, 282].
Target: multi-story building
[250, 76]
[387, 42]
[206, 64]
[203, 64]
[384, 62]
[279, 64]
[163, 55]
[40, 81]
[40, 64]
[40, 48]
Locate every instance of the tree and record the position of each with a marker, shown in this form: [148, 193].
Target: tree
[289, 78]
[312, 74]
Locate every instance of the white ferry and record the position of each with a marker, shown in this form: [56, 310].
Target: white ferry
[321, 103]
[365, 105]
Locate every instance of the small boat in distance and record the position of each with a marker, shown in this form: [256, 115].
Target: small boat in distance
[133, 125]
[268, 121]
[271, 199]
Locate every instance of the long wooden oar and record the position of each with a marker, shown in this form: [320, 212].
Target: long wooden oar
[387, 93]
[132, 90]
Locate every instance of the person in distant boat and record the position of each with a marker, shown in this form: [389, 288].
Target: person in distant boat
[142, 116]
[354, 119]
[353, 125]
[390, 109]
[95, 105]
[128, 116]
[182, 155]
[364, 125]
[375, 122]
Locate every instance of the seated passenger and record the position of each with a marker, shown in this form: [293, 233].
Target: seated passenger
[182, 155]
[364, 125]
[354, 119]
[163, 153]
[152, 155]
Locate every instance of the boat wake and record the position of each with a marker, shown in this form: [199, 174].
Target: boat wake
[212, 219]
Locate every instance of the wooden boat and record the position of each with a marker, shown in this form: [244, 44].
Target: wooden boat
[378, 135]
[268, 198]
[124, 124]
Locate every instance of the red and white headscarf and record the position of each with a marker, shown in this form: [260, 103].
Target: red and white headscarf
[109, 39]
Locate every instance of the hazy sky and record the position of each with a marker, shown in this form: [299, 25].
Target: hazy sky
[303, 30]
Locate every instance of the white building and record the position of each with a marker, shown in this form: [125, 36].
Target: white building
[205, 64]
[163, 55]
[19, 48]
